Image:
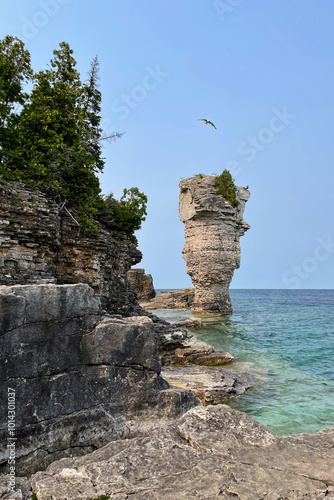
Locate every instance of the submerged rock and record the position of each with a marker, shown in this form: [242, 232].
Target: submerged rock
[212, 452]
[212, 250]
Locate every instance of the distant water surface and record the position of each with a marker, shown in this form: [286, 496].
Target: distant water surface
[286, 339]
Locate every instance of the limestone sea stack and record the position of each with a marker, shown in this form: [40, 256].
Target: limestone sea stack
[213, 227]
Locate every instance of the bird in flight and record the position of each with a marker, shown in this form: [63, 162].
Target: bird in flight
[207, 122]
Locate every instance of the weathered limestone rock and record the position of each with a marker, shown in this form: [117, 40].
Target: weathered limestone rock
[189, 323]
[211, 452]
[81, 378]
[176, 299]
[141, 284]
[39, 244]
[212, 249]
[179, 347]
[211, 385]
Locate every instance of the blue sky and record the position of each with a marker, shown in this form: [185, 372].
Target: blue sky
[261, 71]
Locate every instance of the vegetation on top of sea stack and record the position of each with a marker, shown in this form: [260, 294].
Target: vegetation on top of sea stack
[226, 187]
[50, 138]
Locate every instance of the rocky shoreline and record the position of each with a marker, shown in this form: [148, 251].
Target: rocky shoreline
[83, 377]
[112, 401]
[207, 451]
[212, 452]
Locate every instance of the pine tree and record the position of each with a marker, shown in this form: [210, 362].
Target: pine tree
[54, 144]
[58, 134]
[15, 72]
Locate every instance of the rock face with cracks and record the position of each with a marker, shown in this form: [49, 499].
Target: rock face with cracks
[211, 452]
[212, 249]
[81, 377]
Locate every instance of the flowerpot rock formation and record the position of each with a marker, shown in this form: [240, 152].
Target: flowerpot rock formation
[212, 249]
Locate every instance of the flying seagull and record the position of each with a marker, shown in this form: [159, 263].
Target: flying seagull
[207, 122]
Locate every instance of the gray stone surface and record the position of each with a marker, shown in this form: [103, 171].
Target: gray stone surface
[212, 452]
[81, 378]
[211, 385]
[212, 250]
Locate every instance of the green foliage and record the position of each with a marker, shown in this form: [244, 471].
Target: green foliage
[15, 71]
[226, 187]
[54, 143]
[53, 151]
[102, 497]
[34, 496]
[126, 214]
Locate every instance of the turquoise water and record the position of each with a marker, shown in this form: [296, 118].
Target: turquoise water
[285, 338]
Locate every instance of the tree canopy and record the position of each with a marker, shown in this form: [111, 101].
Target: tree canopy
[51, 138]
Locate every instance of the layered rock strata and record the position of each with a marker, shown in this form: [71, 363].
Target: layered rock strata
[81, 378]
[41, 243]
[212, 249]
[211, 452]
[141, 284]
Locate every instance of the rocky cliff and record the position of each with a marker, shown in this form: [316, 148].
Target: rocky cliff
[212, 249]
[78, 378]
[41, 244]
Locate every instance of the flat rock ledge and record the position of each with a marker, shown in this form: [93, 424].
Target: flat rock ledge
[175, 299]
[211, 385]
[179, 347]
[212, 452]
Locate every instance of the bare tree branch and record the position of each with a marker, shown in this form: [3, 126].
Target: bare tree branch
[116, 135]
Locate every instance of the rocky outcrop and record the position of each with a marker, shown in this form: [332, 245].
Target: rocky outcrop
[141, 284]
[80, 378]
[212, 249]
[170, 299]
[41, 243]
[211, 385]
[212, 452]
[177, 346]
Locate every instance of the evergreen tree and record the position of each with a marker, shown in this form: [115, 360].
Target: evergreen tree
[57, 135]
[54, 144]
[126, 214]
[226, 187]
[15, 72]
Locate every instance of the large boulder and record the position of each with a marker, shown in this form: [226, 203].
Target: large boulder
[80, 378]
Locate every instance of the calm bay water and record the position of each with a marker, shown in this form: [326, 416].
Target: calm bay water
[285, 338]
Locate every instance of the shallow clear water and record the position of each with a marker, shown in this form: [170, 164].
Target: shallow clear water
[285, 338]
